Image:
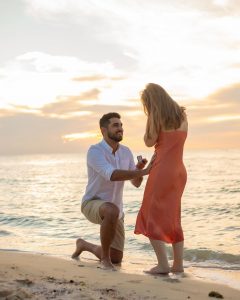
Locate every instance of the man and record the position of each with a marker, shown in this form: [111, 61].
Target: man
[109, 165]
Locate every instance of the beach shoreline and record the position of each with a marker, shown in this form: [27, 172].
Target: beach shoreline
[38, 276]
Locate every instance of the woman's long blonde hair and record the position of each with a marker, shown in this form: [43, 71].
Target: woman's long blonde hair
[162, 111]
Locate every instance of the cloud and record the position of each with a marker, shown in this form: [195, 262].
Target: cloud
[28, 133]
[175, 43]
[24, 133]
[97, 78]
[229, 94]
[36, 79]
[189, 47]
[223, 118]
[115, 8]
[224, 101]
[48, 132]
[236, 65]
[87, 103]
[218, 7]
[214, 121]
[7, 112]
[79, 136]
[44, 62]
[67, 105]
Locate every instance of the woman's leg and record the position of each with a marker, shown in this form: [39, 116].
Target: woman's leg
[177, 257]
[160, 251]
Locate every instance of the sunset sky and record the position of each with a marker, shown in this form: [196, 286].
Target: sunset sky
[64, 63]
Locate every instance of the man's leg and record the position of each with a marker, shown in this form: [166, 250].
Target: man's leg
[108, 213]
[82, 245]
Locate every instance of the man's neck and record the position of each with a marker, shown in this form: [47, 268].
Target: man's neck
[113, 144]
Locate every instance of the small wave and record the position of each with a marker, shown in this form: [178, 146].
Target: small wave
[200, 255]
[25, 221]
[230, 190]
[204, 256]
[4, 233]
[232, 228]
[29, 221]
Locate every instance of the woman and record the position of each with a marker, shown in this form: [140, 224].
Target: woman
[159, 218]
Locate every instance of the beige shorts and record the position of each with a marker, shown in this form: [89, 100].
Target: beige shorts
[90, 209]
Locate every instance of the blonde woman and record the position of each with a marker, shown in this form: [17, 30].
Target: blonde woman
[159, 217]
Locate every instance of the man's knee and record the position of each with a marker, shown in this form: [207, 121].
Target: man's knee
[109, 211]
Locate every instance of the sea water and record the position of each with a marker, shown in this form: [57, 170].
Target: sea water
[40, 199]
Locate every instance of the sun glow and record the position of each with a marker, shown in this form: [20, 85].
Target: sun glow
[79, 136]
[220, 2]
[224, 118]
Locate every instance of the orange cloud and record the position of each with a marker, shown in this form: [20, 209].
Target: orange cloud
[7, 112]
[214, 121]
[69, 105]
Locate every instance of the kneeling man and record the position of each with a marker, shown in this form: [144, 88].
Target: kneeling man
[109, 164]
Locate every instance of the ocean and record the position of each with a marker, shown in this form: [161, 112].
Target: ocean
[40, 198]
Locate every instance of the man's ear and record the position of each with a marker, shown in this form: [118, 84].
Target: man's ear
[103, 130]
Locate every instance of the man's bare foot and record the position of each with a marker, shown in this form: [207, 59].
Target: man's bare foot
[107, 265]
[157, 271]
[79, 248]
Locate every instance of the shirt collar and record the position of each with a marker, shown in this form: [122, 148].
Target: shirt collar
[107, 147]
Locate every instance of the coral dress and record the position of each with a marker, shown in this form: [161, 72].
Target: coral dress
[159, 217]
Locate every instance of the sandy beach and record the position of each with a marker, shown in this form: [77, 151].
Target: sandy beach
[36, 276]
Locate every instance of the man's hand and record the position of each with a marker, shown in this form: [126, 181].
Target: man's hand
[122, 175]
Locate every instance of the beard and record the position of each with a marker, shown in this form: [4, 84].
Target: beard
[114, 137]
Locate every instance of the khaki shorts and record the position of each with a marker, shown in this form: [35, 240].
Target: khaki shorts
[90, 209]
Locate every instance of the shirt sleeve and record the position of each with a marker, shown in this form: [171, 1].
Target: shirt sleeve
[97, 161]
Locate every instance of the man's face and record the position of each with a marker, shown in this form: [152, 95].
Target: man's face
[114, 131]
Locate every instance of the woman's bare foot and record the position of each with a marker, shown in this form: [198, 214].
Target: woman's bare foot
[157, 271]
[79, 248]
[176, 270]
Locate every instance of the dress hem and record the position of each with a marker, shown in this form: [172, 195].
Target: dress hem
[160, 239]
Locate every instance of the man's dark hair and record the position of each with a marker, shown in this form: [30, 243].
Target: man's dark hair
[104, 121]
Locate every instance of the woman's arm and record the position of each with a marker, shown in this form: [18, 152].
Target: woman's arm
[150, 136]
[150, 141]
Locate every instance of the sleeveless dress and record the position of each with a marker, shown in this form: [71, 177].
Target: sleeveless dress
[159, 217]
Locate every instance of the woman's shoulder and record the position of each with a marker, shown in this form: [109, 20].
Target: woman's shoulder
[184, 125]
[184, 115]
[184, 112]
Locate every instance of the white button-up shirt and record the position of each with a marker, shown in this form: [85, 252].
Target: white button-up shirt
[101, 163]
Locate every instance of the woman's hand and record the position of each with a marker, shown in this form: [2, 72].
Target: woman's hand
[149, 166]
[141, 163]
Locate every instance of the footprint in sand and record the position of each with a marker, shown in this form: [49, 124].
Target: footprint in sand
[24, 281]
[5, 293]
[172, 280]
[135, 281]
[19, 295]
[50, 279]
